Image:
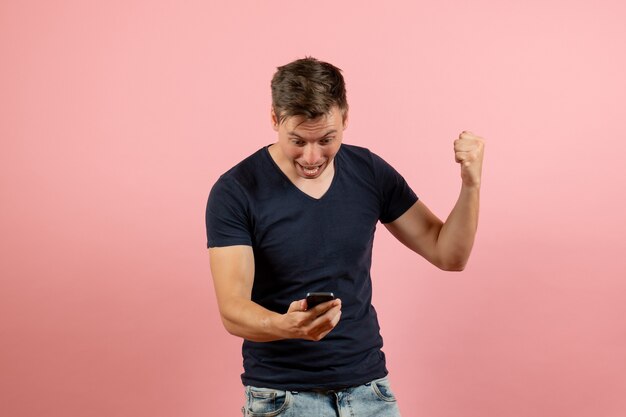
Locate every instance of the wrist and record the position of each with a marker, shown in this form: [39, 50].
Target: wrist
[473, 186]
[274, 324]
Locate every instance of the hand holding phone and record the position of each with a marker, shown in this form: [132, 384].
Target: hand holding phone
[302, 322]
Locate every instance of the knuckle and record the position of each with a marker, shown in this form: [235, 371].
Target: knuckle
[338, 318]
[308, 334]
[301, 331]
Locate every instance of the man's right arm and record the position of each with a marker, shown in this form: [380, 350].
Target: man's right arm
[232, 268]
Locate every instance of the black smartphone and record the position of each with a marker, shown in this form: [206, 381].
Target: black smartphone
[315, 298]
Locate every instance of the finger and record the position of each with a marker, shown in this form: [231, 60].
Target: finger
[335, 314]
[466, 156]
[464, 146]
[326, 317]
[336, 319]
[324, 324]
[472, 143]
[461, 156]
[322, 308]
[333, 325]
[298, 305]
[466, 134]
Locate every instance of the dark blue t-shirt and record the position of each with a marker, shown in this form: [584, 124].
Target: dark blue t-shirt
[302, 244]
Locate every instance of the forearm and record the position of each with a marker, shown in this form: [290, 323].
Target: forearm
[456, 237]
[249, 320]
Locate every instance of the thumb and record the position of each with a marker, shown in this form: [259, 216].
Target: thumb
[298, 305]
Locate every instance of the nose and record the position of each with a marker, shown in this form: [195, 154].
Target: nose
[311, 154]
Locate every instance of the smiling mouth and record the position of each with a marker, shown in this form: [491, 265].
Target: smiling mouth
[311, 171]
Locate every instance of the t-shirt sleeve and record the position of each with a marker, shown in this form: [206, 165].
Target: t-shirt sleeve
[227, 215]
[396, 195]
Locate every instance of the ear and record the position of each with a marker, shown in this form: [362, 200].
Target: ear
[274, 120]
[345, 122]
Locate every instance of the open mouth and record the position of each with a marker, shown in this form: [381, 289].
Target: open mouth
[311, 171]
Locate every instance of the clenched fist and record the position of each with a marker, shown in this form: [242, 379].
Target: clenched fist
[468, 151]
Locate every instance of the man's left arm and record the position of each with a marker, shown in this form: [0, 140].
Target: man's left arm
[447, 245]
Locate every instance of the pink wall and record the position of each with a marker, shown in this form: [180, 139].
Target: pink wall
[117, 117]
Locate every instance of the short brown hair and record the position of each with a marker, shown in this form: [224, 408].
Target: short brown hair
[308, 87]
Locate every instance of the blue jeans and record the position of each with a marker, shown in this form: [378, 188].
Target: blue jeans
[373, 399]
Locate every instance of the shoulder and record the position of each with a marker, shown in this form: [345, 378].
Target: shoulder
[253, 180]
[246, 172]
[365, 158]
[357, 157]
[355, 152]
[238, 182]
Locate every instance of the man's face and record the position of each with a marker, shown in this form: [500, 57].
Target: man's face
[308, 146]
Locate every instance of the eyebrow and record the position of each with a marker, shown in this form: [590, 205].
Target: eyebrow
[300, 137]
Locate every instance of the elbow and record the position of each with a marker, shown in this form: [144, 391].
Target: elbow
[453, 261]
[453, 268]
[229, 326]
[453, 265]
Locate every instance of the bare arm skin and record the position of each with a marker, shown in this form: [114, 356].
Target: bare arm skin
[447, 245]
[232, 268]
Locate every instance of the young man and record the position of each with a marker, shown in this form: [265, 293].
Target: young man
[299, 216]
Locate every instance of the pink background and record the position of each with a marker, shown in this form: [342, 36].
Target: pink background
[117, 117]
